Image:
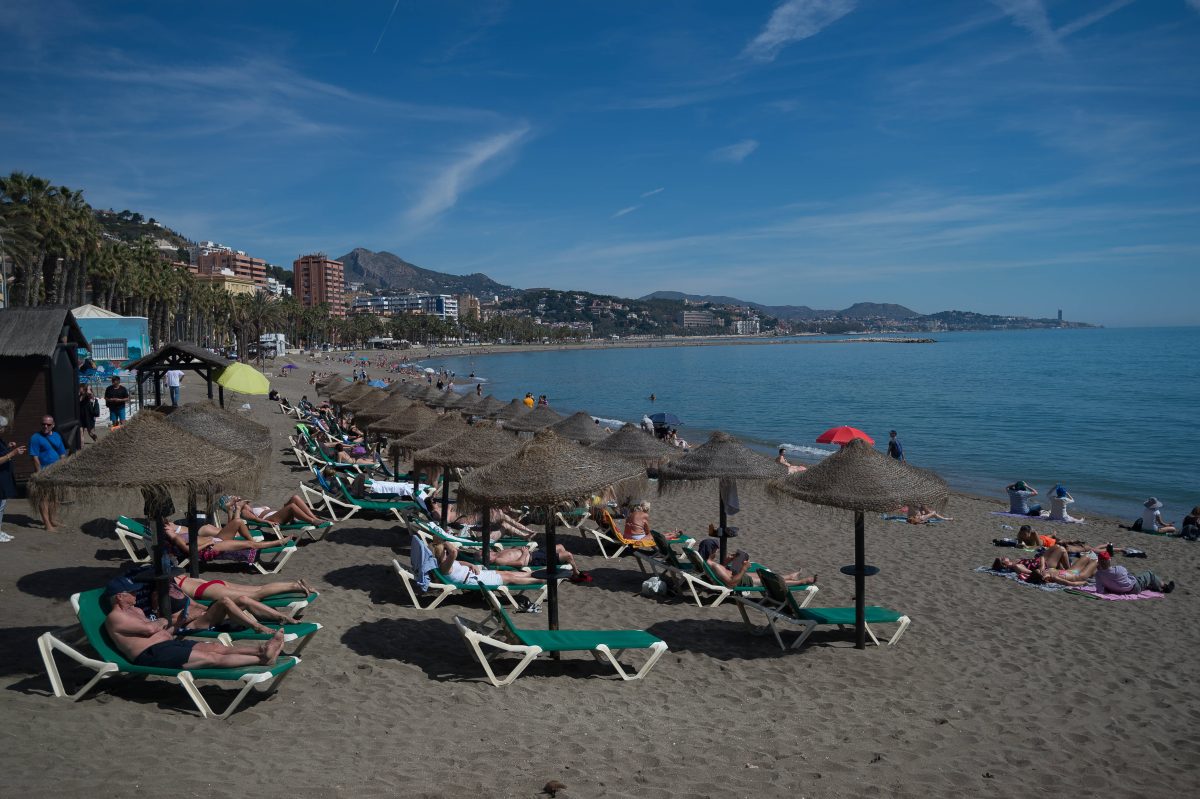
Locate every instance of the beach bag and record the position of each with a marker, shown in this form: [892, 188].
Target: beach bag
[1137, 525]
[95, 407]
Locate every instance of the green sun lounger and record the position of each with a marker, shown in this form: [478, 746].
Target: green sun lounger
[107, 661]
[702, 578]
[293, 601]
[432, 532]
[505, 636]
[134, 536]
[779, 606]
[313, 532]
[444, 587]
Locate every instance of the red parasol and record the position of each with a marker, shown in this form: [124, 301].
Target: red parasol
[843, 435]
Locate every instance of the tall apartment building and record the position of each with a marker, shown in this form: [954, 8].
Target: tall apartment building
[697, 319]
[318, 280]
[442, 306]
[215, 261]
[468, 306]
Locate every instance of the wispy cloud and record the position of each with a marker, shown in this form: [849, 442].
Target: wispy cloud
[628, 210]
[734, 153]
[660, 189]
[1194, 4]
[793, 21]
[442, 192]
[1031, 15]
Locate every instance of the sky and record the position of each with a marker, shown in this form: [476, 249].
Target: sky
[1000, 156]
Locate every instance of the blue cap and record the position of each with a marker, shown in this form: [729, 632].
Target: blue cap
[121, 585]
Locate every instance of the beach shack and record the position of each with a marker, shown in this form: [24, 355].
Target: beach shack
[176, 355]
[39, 363]
[114, 339]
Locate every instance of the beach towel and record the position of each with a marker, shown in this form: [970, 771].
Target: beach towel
[1045, 517]
[1012, 576]
[1089, 591]
[900, 517]
[423, 561]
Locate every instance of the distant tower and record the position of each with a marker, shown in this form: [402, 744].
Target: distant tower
[1060, 316]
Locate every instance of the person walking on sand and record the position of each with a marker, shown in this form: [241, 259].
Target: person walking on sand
[8, 484]
[46, 448]
[174, 379]
[116, 397]
[89, 409]
[895, 448]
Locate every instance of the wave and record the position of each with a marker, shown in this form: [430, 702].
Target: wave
[815, 452]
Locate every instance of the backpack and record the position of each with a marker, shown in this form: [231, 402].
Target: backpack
[1137, 525]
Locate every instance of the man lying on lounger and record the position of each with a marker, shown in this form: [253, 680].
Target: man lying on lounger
[146, 642]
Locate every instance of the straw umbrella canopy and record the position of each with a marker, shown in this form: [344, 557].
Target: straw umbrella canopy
[468, 403]
[365, 400]
[859, 478]
[489, 406]
[446, 427]
[722, 458]
[390, 404]
[401, 423]
[430, 395]
[330, 384]
[511, 411]
[476, 446]
[349, 393]
[544, 472]
[633, 443]
[448, 399]
[539, 417]
[227, 430]
[414, 389]
[149, 456]
[579, 427]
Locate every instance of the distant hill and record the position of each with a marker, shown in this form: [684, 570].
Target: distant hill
[385, 270]
[859, 310]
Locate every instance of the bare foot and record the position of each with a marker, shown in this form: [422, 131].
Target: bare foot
[304, 586]
[813, 581]
[272, 648]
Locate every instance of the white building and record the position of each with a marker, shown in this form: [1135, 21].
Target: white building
[442, 306]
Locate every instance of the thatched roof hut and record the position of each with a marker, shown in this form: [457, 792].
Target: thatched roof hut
[635, 444]
[148, 452]
[476, 446]
[231, 431]
[403, 422]
[511, 411]
[540, 417]
[580, 427]
[860, 478]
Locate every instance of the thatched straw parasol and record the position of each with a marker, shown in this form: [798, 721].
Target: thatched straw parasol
[722, 458]
[401, 423]
[414, 388]
[539, 417]
[545, 472]
[148, 454]
[580, 427]
[489, 406]
[430, 395]
[327, 385]
[476, 446]
[860, 478]
[511, 411]
[349, 393]
[633, 443]
[392, 403]
[227, 430]
[467, 404]
[446, 427]
[365, 400]
[448, 399]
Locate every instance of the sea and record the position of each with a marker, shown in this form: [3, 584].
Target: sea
[1113, 414]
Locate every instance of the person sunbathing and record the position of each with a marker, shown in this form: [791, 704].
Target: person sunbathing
[246, 597]
[521, 556]
[1113, 579]
[1079, 574]
[734, 570]
[446, 555]
[503, 525]
[1052, 566]
[923, 514]
[149, 643]
[231, 542]
[791, 467]
[637, 524]
[295, 509]
[340, 455]
[1029, 539]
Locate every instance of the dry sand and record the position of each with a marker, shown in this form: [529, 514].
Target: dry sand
[997, 689]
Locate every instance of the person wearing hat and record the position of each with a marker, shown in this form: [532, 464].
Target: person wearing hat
[1114, 579]
[8, 484]
[148, 642]
[1152, 520]
[1018, 499]
[1060, 498]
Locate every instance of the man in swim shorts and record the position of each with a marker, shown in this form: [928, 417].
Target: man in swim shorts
[148, 642]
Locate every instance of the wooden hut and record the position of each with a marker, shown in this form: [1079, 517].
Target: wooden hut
[40, 365]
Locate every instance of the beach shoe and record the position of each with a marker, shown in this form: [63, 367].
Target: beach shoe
[582, 577]
[5, 538]
[1169, 587]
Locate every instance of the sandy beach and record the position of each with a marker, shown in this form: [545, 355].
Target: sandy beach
[997, 689]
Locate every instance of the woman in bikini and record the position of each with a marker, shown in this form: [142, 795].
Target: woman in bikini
[247, 597]
[735, 571]
[1052, 566]
[213, 543]
[923, 514]
[637, 524]
[295, 509]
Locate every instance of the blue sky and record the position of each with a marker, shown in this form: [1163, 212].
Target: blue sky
[1005, 156]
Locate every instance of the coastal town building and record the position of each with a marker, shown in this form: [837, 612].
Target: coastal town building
[468, 306]
[746, 327]
[443, 306]
[697, 319]
[216, 260]
[230, 283]
[318, 279]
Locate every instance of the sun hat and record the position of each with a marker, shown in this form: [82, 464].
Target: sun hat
[1059, 491]
[1152, 503]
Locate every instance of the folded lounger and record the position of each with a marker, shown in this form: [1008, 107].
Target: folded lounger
[426, 577]
[108, 661]
[779, 605]
[507, 637]
[137, 540]
[701, 577]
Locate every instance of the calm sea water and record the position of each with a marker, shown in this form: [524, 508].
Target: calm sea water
[1112, 414]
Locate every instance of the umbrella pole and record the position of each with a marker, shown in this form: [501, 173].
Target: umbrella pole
[160, 572]
[221, 394]
[552, 572]
[445, 496]
[860, 582]
[193, 536]
[724, 534]
[485, 555]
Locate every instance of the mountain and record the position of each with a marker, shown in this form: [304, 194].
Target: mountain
[384, 270]
[859, 310]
